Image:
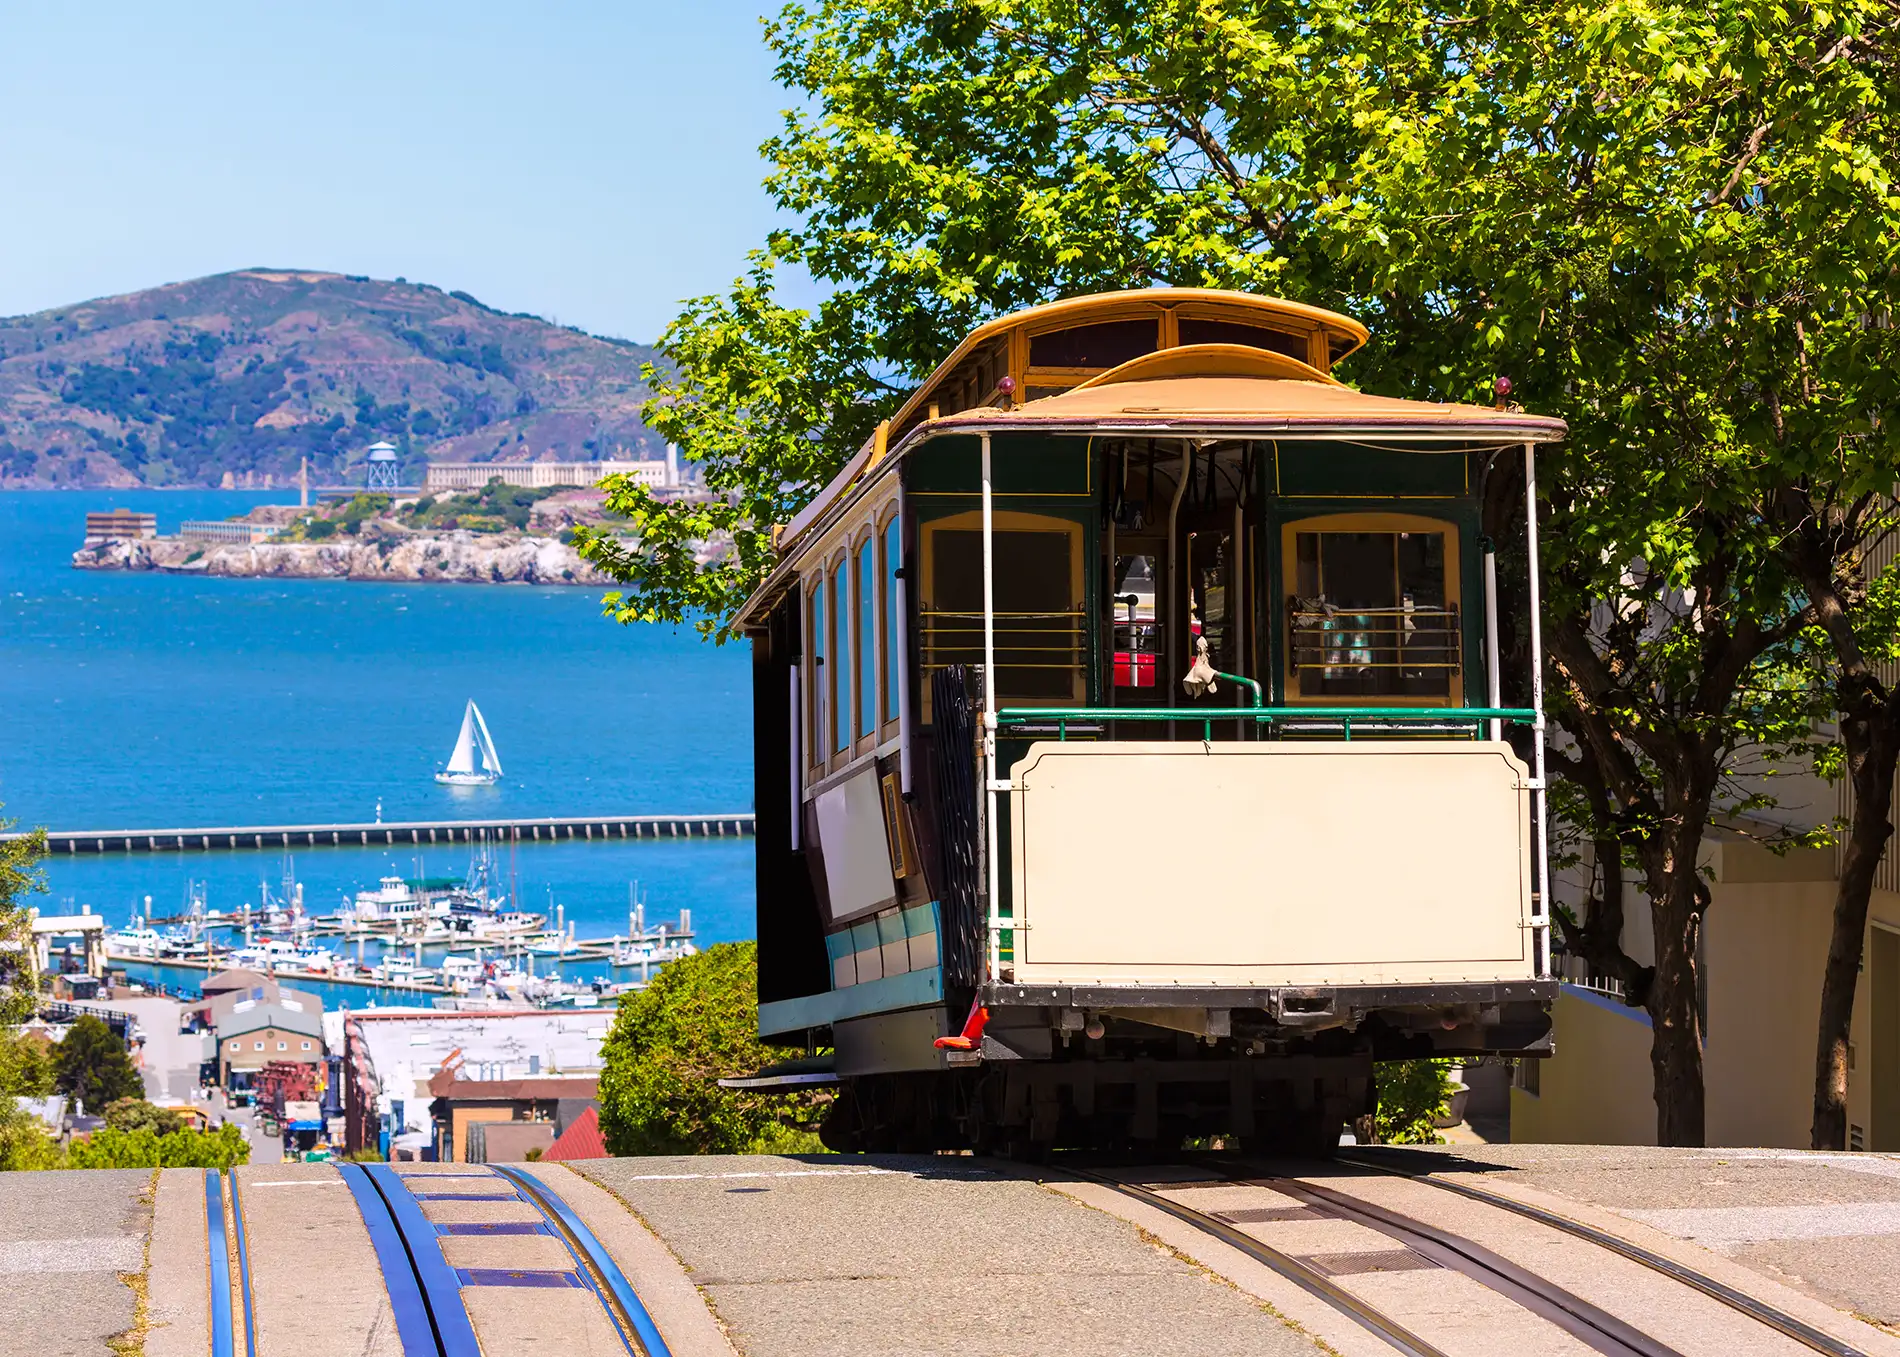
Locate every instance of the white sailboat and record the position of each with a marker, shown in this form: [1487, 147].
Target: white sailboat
[461, 771]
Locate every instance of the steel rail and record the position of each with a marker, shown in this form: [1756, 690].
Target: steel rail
[622, 1302]
[414, 1327]
[244, 1269]
[218, 1257]
[1588, 1323]
[440, 1287]
[1309, 1279]
[1758, 1310]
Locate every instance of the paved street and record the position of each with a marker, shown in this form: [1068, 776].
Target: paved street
[65, 1238]
[171, 1058]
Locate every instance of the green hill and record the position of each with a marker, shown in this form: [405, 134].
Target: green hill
[246, 373]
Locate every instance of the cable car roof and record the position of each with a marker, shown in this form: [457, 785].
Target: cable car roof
[1249, 393]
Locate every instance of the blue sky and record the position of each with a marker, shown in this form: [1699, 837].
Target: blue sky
[587, 161]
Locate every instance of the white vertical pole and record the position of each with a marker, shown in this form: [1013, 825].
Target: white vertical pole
[1540, 914]
[989, 718]
[1493, 686]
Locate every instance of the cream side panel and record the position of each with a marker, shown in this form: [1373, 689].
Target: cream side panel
[1271, 864]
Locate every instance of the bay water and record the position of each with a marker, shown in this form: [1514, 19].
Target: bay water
[139, 700]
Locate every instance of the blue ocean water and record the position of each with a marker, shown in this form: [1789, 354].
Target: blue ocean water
[141, 700]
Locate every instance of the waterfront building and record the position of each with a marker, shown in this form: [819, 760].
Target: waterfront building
[448, 477]
[255, 1034]
[121, 523]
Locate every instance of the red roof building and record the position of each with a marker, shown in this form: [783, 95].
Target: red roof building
[581, 1140]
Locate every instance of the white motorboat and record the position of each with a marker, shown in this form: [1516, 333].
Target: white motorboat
[398, 970]
[394, 901]
[508, 924]
[139, 942]
[474, 739]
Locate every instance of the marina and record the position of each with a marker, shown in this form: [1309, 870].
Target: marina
[465, 937]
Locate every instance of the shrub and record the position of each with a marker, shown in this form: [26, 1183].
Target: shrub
[146, 1149]
[671, 1042]
[135, 1114]
[1412, 1095]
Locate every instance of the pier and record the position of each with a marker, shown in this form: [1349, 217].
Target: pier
[553, 829]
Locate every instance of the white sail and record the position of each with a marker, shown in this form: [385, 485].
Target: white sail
[463, 759]
[491, 761]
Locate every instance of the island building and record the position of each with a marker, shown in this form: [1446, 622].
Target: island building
[445, 477]
[417, 1083]
[121, 523]
[379, 468]
[226, 532]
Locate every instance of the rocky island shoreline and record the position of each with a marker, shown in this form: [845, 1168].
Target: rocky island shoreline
[456, 557]
[497, 535]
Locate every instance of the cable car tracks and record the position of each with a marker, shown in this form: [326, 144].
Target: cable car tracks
[1421, 1244]
[417, 1254]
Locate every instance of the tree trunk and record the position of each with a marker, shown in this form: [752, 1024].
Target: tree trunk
[1677, 899]
[1870, 730]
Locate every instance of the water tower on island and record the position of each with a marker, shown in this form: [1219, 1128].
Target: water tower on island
[380, 468]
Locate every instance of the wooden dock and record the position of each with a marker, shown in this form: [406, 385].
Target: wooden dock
[555, 829]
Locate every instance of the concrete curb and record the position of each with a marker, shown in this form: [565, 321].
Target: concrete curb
[179, 1281]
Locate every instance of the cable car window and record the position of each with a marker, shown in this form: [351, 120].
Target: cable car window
[820, 685]
[841, 650]
[867, 637]
[1137, 628]
[1370, 615]
[893, 652]
[1040, 626]
[1106, 345]
[1193, 331]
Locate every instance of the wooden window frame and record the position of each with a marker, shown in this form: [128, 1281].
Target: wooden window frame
[838, 697]
[890, 699]
[1007, 520]
[817, 663]
[1380, 522]
[863, 740]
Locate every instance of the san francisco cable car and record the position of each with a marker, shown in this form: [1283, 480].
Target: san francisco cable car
[1130, 757]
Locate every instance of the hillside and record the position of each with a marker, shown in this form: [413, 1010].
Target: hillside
[245, 373]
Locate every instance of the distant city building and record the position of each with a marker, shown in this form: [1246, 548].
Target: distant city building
[380, 467]
[449, 476]
[414, 1082]
[122, 523]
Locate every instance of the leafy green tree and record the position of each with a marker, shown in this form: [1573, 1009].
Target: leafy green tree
[136, 1114]
[1672, 224]
[92, 1066]
[20, 876]
[25, 1072]
[695, 1024]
